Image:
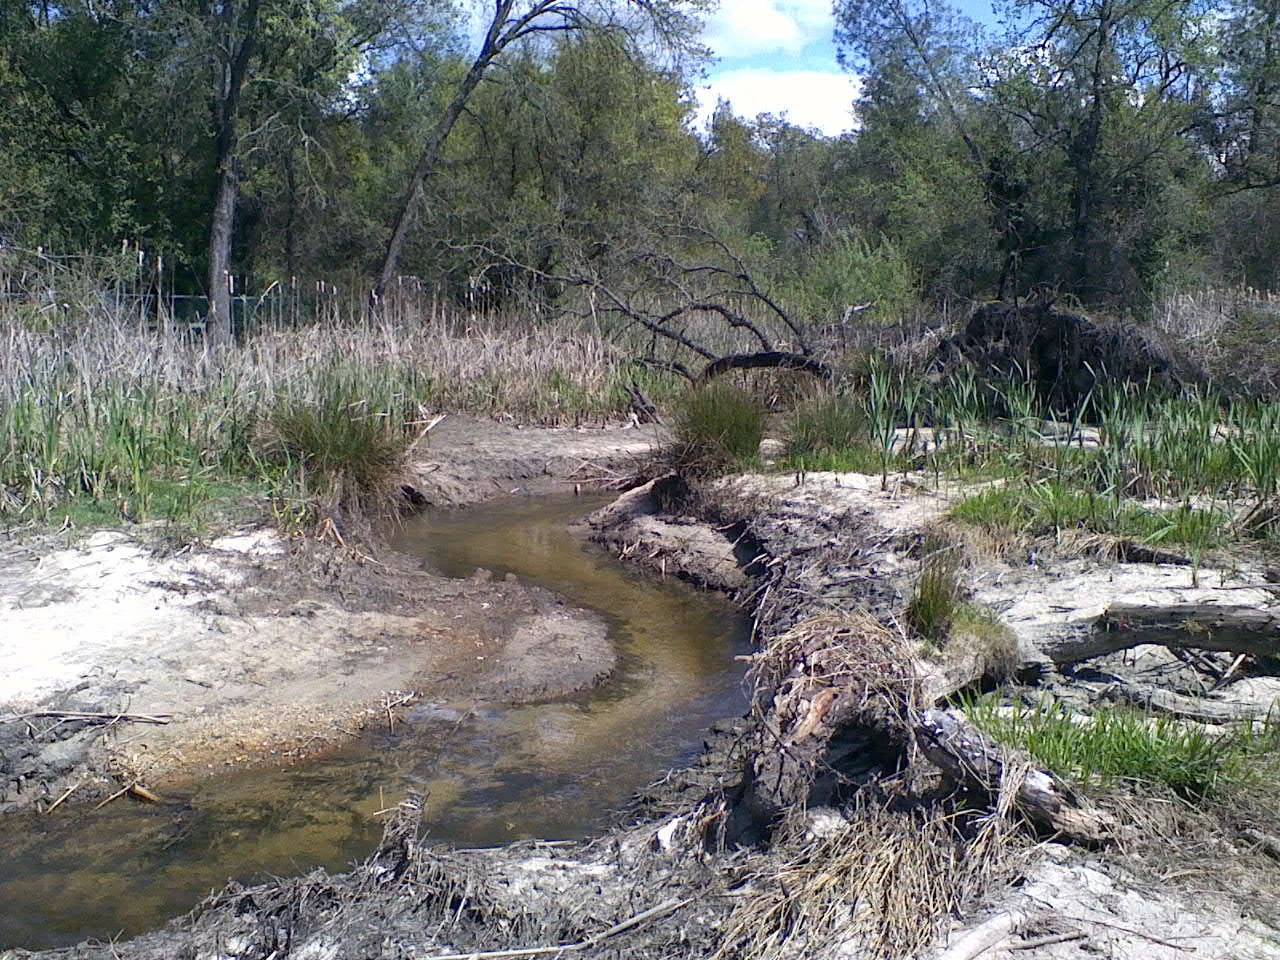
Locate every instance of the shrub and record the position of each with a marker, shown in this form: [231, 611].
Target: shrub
[718, 427]
[849, 271]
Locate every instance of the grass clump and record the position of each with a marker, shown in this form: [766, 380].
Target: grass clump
[949, 622]
[338, 452]
[938, 595]
[1118, 745]
[1051, 509]
[830, 431]
[718, 427]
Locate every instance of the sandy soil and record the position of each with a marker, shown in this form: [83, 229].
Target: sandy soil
[819, 542]
[253, 647]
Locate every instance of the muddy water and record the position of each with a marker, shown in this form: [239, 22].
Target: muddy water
[491, 774]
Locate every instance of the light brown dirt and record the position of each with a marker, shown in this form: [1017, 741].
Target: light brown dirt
[255, 647]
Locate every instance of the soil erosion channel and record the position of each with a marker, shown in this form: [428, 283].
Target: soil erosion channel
[492, 773]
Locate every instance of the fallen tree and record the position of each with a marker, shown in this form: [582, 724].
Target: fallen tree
[1202, 626]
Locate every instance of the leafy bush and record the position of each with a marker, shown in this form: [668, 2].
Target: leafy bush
[718, 427]
[850, 271]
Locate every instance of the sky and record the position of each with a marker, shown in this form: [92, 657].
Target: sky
[778, 56]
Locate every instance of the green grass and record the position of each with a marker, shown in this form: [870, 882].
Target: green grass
[938, 596]
[104, 422]
[1126, 746]
[718, 427]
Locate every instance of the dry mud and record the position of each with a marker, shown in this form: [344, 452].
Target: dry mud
[702, 850]
[252, 647]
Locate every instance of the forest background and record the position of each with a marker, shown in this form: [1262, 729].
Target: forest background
[1110, 151]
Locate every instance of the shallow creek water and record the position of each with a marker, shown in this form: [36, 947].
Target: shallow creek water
[491, 774]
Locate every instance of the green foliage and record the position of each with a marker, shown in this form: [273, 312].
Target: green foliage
[1050, 509]
[849, 271]
[717, 427]
[827, 422]
[1128, 746]
[938, 596]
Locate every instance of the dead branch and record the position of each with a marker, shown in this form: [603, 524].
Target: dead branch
[92, 718]
[972, 759]
[1202, 626]
[1199, 709]
[766, 360]
[661, 910]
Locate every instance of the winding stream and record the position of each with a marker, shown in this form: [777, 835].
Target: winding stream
[491, 775]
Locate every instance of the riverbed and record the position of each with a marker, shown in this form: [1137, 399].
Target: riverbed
[491, 772]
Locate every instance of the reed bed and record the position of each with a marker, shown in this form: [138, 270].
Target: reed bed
[1134, 463]
[106, 418]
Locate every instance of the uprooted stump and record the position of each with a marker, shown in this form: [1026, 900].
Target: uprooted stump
[1064, 355]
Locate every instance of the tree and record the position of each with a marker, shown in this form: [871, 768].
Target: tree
[512, 23]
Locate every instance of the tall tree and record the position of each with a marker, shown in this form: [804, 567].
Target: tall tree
[511, 23]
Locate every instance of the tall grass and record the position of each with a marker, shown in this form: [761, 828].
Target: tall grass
[1129, 746]
[103, 418]
[1134, 462]
[718, 427]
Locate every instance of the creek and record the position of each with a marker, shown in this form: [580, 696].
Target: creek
[491, 774]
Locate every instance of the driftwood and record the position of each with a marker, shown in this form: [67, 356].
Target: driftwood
[1202, 626]
[644, 500]
[1200, 709]
[970, 758]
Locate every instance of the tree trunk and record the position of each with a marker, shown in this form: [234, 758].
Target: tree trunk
[221, 232]
[1204, 626]
[494, 43]
[235, 36]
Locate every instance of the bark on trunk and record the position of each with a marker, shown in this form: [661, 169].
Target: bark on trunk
[235, 33]
[495, 41]
[1205, 626]
[967, 756]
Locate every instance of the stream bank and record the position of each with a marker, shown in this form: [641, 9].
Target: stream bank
[252, 647]
[802, 832]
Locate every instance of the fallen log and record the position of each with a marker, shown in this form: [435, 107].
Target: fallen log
[972, 759]
[1201, 626]
[767, 359]
[1200, 709]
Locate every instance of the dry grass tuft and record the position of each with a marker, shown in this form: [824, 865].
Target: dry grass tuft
[880, 887]
[871, 667]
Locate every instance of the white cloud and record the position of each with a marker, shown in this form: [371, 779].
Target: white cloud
[809, 98]
[744, 28]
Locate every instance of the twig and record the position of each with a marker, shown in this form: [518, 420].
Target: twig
[119, 793]
[68, 792]
[87, 717]
[1048, 941]
[660, 910]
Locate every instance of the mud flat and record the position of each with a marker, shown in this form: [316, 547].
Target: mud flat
[126, 661]
[816, 827]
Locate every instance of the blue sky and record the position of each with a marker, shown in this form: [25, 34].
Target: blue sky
[777, 56]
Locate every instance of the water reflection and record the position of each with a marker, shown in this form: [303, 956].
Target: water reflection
[552, 770]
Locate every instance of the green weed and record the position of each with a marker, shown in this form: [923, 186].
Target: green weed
[718, 427]
[938, 596]
[1120, 745]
